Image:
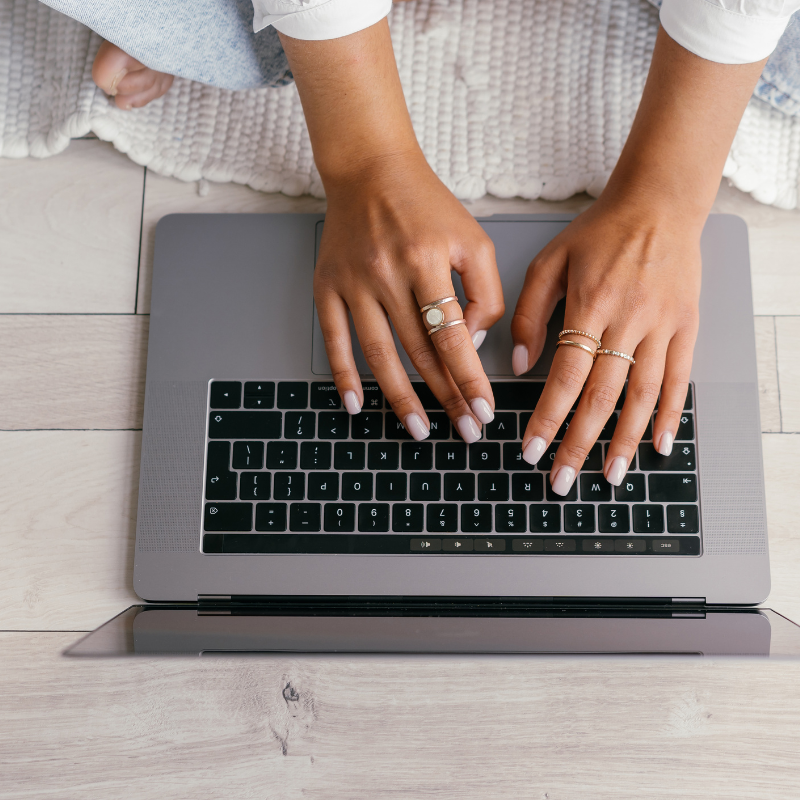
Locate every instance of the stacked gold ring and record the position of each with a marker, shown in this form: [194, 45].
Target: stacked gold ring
[617, 354]
[580, 333]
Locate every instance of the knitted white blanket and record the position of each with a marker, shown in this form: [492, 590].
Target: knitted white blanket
[530, 98]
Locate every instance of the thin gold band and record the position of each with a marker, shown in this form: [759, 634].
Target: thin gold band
[581, 333]
[617, 354]
[577, 344]
[446, 325]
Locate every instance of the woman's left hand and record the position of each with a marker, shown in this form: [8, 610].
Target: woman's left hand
[631, 276]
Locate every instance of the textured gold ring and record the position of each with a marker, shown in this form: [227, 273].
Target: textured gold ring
[434, 315]
[581, 333]
[446, 325]
[578, 344]
[617, 354]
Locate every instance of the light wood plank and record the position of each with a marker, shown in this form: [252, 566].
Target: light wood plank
[287, 729]
[69, 231]
[769, 400]
[68, 511]
[72, 371]
[787, 330]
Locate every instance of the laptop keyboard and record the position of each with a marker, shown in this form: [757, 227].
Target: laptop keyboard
[290, 471]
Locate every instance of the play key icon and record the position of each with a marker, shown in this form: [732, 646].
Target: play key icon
[426, 545]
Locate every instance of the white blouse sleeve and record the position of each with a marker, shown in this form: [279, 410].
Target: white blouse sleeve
[319, 19]
[727, 31]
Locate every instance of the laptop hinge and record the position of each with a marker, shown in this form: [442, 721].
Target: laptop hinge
[694, 601]
[213, 598]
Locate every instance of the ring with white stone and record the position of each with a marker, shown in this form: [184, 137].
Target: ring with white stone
[434, 315]
[446, 325]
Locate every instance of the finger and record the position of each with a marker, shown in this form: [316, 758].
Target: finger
[377, 344]
[334, 322]
[159, 88]
[111, 65]
[545, 284]
[598, 401]
[677, 370]
[644, 382]
[477, 267]
[136, 81]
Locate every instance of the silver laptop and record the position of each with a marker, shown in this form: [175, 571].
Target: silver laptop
[256, 484]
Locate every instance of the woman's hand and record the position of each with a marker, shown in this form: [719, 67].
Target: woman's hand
[392, 234]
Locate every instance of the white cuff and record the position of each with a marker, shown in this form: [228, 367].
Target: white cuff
[329, 19]
[728, 37]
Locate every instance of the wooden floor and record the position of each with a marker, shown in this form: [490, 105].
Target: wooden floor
[76, 237]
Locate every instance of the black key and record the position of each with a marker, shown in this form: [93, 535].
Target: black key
[258, 402]
[457, 545]
[669, 545]
[340, 517]
[545, 518]
[292, 395]
[425, 486]
[259, 394]
[594, 487]
[578, 519]
[630, 545]
[545, 463]
[476, 518]
[426, 396]
[373, 396]
[559, 545]
[608, 429]
[512, 458]
[304, 517]
[681, 458]
[440, 425]
[493, 487]
[282, 455]
[527, 545]
[594, 461]
[348, 455]
[598, 546]
[383, 455]
[299, 425]
[395, 429]
[423, 545]
[621, 399]
[390, 486]
[631, 490]
[614, 519]
[244, 425]
[685, 428]
[562, 431]
[373, 517]
[673, 488]
[459, 486]
[248, 455]
[451, 455]
[503, 426]
[489, 545]
[683, 519]
[408, 517]
[648, 519]
[333, 425]
[687, 405]
[357, 486]
[289, 486]
[527, 487]
[315, 455]
[367, 425]
[524, 419]
[516, 395]
[228, 517]
[484, 455]
[220, 481]
[325, 396]
[271, 517]
[254, 486]
[442, 517]
[323, 486]
[226, 394]
[416, 455]
[510, 518]
[571, 496]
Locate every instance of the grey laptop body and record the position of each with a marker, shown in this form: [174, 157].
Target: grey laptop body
[236, 371]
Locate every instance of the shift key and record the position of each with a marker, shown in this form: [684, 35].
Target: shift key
[244, 425]
[681, 459]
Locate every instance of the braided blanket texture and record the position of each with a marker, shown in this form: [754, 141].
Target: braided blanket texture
[529, 98]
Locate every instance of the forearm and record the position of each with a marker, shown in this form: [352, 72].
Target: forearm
[683, 131]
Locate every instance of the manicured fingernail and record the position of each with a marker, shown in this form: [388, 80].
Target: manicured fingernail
[351, 402]
[563, 480]
[534, 450]
[482, 410]
[115, 82]
[477, 338]
[519, 359]
[665, 443]
[468, 429]
[416, 427]
[617, 470]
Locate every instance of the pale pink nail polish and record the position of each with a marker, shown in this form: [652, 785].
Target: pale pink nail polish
[665, 443]
[416, 427]
[468, 429]
[351, 402]
[482, 410]
[617, 470]
[519, 359]
[563, 480]
[534, 450]
[477, 338]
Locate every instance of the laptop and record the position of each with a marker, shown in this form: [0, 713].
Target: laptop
[262, 499]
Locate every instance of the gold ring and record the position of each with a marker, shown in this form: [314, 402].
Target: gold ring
[446, 325]
[578, 344]
[434, 315]
[617, 354]
[581, 333]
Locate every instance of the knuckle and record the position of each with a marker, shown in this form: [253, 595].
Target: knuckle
[451, 341]
[342, 375]
[403, 400]
[671, 416]
[378, 354]
[646, 393]
[453, 404]
[548, 425]
[626, 442]
[575, 452]
[424, 357]
[569, 377]
[471, 387]
[601, 398]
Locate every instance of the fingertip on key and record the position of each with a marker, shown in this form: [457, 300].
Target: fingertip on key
[664, 446]
[617, 470]
[415, 425]
[563, 479]
[468, 429]
[351, 402]
[482, 410]
[534, 450]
